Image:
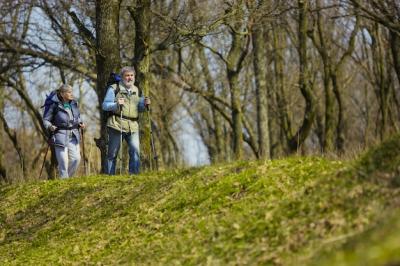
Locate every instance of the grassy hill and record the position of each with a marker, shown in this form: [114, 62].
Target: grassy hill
[295, 211]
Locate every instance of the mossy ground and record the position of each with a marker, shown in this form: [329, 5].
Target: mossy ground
[295, 211]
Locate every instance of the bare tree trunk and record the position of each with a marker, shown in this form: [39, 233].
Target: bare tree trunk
[260, 64]
[236, 114]
[12, 134]
[283, 112]
[336, 70]
[107, 60]
[3, 171]
[141, 61]
[395, 48]
[383, 82]
[323, 43]
[236, 55]
[328, 144]
[304, 81]
[217, 123]
[339, 143]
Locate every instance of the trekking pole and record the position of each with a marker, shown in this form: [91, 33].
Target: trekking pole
[44, 160]
[83, 151]
[120, 143]
[153, 147]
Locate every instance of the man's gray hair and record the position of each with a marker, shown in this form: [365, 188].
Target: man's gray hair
[128, 69]
[64, 88]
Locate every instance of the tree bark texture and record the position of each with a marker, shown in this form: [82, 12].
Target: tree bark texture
[304, 81]
[107, 60]
[141, 61]
[234, 62]
[260, 65]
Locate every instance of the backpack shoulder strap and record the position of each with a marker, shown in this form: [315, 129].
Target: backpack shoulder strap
[48, 103]
[116, 88]
[47, 107]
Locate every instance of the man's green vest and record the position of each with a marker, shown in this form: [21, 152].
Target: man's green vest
[130, 111]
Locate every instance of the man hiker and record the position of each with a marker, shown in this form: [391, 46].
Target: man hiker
[62, 118]
[123, 100]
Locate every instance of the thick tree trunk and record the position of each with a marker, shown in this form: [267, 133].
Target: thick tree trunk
[141, 61]
[329, 130]
[233, 77]
[107, 60]
[395, 48]
[283, 112]
[234, 64]
[340, 116]
[383, 81]
[260, 64]
[324, 49]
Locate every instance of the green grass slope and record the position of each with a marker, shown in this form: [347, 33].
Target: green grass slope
[379, 243]
[295, 211]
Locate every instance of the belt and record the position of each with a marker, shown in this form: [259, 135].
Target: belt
[128, 118]
[68, 128]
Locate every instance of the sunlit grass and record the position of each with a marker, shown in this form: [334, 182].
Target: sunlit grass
[280, 212]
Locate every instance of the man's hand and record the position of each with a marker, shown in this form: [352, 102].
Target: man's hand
[82, 125]
[121, 101]
[147, 101]
[52, 128]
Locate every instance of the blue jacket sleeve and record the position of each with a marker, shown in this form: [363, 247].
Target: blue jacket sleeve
[141, 106]
[48, 117]
[109, 103]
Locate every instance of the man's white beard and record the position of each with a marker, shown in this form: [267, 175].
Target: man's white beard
[128, 84]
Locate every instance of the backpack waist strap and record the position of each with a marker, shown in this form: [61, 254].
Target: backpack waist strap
[68, 128]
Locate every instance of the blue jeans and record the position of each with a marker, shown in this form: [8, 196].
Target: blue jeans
[68, 158]
[114, 141]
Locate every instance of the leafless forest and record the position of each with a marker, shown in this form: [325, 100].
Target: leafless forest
[256, 79]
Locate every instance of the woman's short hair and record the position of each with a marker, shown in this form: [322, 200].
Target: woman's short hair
[128, 69]
[64, 88]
